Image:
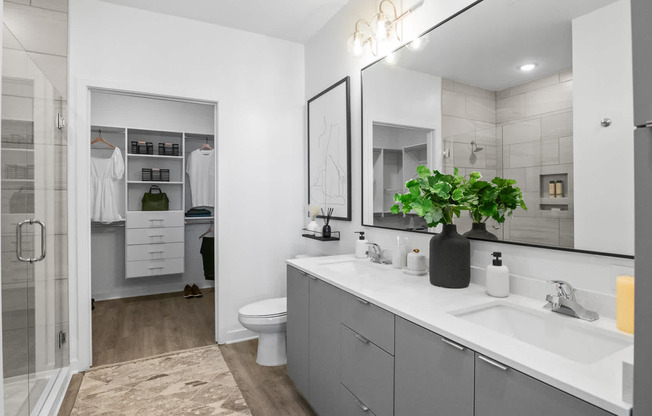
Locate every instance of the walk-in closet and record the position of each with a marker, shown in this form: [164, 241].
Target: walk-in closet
[152, 207]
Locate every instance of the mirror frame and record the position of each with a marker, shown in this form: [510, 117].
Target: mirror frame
[362, 165]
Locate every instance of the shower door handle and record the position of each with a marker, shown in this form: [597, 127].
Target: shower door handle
[19, 241]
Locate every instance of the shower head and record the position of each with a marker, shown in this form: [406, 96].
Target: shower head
[474, 147]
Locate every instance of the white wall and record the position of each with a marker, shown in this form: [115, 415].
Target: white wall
[604, 157]
[327, 60]
[258, 83]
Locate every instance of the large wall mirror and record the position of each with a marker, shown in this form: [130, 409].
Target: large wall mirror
[463, 96]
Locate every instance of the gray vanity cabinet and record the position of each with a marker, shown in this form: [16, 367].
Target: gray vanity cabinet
[298, 329]
[324, 347]
[431, 373]
[503, 391]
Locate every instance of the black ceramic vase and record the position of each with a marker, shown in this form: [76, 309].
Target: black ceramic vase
[479, 230]
[450, 259]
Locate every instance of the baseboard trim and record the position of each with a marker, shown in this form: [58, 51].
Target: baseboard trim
[147, 291]
[240, 335]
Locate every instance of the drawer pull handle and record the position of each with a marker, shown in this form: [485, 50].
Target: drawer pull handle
[156, 252]
[157, 267]
[157, 219]
[362, 406]
[453, 344]
[157, 235]
[361, 300]
[302, 273]
[492, 362]
[313, 277]
[361, 338]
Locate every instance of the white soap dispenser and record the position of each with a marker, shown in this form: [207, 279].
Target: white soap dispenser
[497, 277]
[361, 246]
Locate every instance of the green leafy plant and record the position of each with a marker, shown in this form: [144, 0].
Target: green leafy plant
[436, 197]
[496, 199]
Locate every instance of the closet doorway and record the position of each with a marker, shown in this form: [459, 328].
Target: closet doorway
[152, 207]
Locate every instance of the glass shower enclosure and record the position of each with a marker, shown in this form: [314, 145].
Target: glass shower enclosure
[34, 231]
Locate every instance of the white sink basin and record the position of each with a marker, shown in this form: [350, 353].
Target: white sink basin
[355, 266]
[547, 330]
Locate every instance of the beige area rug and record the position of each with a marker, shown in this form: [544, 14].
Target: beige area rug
[193, 382]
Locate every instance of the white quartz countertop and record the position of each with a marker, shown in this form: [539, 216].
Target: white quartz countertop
[415, 299]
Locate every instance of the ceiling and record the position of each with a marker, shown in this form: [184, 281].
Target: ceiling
[485, 45]
[291, 20]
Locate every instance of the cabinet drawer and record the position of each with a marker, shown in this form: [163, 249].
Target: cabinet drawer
[350, 405]
[154, 267]
[370, 321]
[154, 219]
[154, 235]
[367, 371]
[155, 251]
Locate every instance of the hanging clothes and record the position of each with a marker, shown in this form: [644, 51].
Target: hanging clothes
[105, 174]
[200, 167]
[208, 257]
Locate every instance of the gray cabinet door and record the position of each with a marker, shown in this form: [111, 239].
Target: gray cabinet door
[642, 59]
[433, 374]
[503, 391]
[324, 347]
[298, 329]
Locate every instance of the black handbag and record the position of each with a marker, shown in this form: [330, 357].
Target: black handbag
[155, 201]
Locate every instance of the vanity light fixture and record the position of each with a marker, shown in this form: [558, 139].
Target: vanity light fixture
[383, 29]
[527, 67]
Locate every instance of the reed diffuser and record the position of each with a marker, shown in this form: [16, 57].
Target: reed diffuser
[326, 229]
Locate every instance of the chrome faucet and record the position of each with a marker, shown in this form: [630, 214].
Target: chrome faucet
[375, 253]
[564, 302]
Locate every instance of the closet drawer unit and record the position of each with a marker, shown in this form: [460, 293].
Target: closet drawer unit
[370, 321]
[154, 219]
[154, 267]
[154, 235]
[367, 371]
[351, 405]
[155, 251]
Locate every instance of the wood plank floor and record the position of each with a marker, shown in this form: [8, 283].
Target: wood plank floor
[131, 328]
[267, 390]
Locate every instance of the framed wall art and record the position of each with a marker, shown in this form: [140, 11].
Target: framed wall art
[329, 150]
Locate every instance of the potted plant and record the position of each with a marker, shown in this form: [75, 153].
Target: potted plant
[438, 198]
[496, 199]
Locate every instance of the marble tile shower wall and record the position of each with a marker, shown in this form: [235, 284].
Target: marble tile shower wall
[35, 47]
[526, 133]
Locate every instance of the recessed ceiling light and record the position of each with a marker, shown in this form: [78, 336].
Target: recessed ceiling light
[527, 67]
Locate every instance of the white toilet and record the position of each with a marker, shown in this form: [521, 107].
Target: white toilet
[268, 318]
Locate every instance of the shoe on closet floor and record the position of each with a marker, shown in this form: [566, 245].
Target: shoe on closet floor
[196, 292]
[187, 292]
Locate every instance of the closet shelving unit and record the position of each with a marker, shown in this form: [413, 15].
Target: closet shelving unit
[155, 240]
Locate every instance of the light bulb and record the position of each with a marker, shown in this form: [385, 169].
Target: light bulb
[381, 26]
[527, 67]
[356, 44]
[416, 44]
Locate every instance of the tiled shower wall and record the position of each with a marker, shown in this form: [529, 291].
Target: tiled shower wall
[535, 122]
[526, 134]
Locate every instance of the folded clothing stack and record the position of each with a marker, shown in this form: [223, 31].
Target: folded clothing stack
[198, 212]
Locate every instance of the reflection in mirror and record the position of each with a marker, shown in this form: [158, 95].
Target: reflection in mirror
[516, 90]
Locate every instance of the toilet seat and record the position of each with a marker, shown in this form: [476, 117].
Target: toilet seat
[268, 308]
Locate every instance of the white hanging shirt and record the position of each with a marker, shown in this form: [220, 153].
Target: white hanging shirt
[105, 174]
[200, 167]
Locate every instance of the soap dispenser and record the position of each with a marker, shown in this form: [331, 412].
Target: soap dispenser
[497, 277]
[361, 246]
